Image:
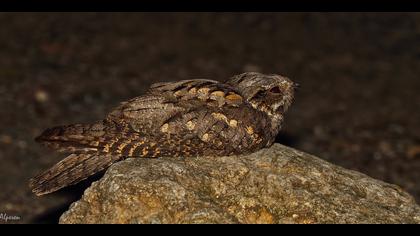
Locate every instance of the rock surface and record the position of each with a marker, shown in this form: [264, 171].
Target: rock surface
[275, 185]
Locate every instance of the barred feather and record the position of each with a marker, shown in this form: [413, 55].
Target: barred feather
[69, 171]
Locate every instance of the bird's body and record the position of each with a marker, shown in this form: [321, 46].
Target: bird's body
[185, 118]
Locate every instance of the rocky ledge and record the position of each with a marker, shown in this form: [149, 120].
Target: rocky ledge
[275, 185]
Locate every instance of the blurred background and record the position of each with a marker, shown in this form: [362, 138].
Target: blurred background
[358, 105]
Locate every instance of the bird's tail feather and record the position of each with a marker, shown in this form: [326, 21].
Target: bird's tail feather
[69, 171]
[75, 138]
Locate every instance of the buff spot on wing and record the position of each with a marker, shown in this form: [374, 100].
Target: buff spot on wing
[190, 125]
[205, 137]
[220, 116]
[233, 97]
[217, 94]
[179, 93]
[144, 152]
[133, 148]
[250, 130]
[109, 145]
[164, 128]
[203, 93]
[218, 98]
[156, 152]
[106, 148]
[233, 123]
[76, 136]
[121, 147]
[193, 90]
[203, 90]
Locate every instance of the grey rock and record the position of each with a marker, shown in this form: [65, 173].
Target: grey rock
[275, 185]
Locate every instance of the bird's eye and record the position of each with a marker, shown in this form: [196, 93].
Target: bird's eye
[275, 90]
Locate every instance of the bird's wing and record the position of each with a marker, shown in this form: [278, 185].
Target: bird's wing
[213, 114]
[166, 100]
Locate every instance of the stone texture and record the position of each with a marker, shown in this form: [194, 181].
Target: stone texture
[275, 185]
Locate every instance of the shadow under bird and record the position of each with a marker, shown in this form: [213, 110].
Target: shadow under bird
[172, 119]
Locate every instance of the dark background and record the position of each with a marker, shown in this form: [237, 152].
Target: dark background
[358, 105]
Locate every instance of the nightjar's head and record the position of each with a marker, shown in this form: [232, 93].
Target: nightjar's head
[271, 94]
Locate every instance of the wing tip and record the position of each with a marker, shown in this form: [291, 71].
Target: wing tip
[49, 133]
[36, 187]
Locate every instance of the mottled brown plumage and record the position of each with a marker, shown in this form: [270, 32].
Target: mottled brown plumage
[185, 118]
